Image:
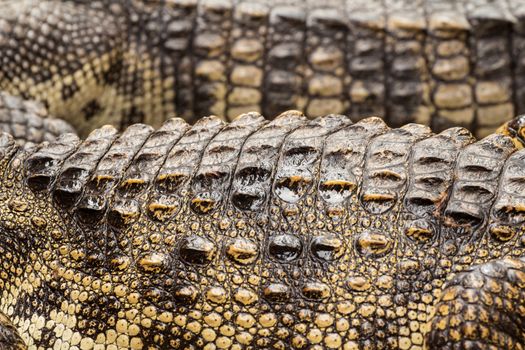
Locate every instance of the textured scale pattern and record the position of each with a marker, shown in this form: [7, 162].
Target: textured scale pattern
[440, 63]
[28, 121]
[285, 234]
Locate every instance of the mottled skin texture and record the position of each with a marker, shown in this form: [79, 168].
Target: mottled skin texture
[28, 121]
[437, 62]
[289, 234]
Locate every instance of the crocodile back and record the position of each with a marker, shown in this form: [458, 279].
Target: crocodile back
[287, 233]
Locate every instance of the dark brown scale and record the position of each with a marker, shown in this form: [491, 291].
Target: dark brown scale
[110, 168]
[276, 293]
[373, 243]
[197, 250]
[241, 250]
[476, 181]
[43, 166]
[285, 248]
[327, 248]
[316, 291]
[257, 160]
[186, 294]
[77, 169]
[385, 170]
[431, 170]
[285, 60]
[182, 161]
[215, 172]
[343, 158]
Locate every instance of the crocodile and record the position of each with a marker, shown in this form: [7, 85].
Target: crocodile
[264, 234]
[441, 63]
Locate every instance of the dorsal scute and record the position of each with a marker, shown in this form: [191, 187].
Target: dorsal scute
[211, 181]
[77, 169]
[300, 157]
[151, 156]
[43, 165]
[509, 207]
[386, 167]
[257, 161]
[343, 157]
[186, 154]
[173, 179]
[432, 170]
[98, 190]
[476, 180]
[143, 170]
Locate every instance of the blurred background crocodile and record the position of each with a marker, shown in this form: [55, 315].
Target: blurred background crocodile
[436, 62]
[289, 234]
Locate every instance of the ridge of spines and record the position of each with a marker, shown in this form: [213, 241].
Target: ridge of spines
[211, 181]
[173, 178]
[257, 162]
[507, 214]
[99, 189]
[77, 169]
[446, 176]
[143, 170]
[298, 164]
[343, 159]
[431, 173]
[43, 165]
[385, 171]
[476, 181]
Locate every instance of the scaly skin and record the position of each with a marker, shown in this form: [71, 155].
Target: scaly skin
[437, 62]
[28, 121]
[289, 234]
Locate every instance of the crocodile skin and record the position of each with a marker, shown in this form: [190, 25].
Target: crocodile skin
[28, 121]
[438, 62]
[258, 234]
